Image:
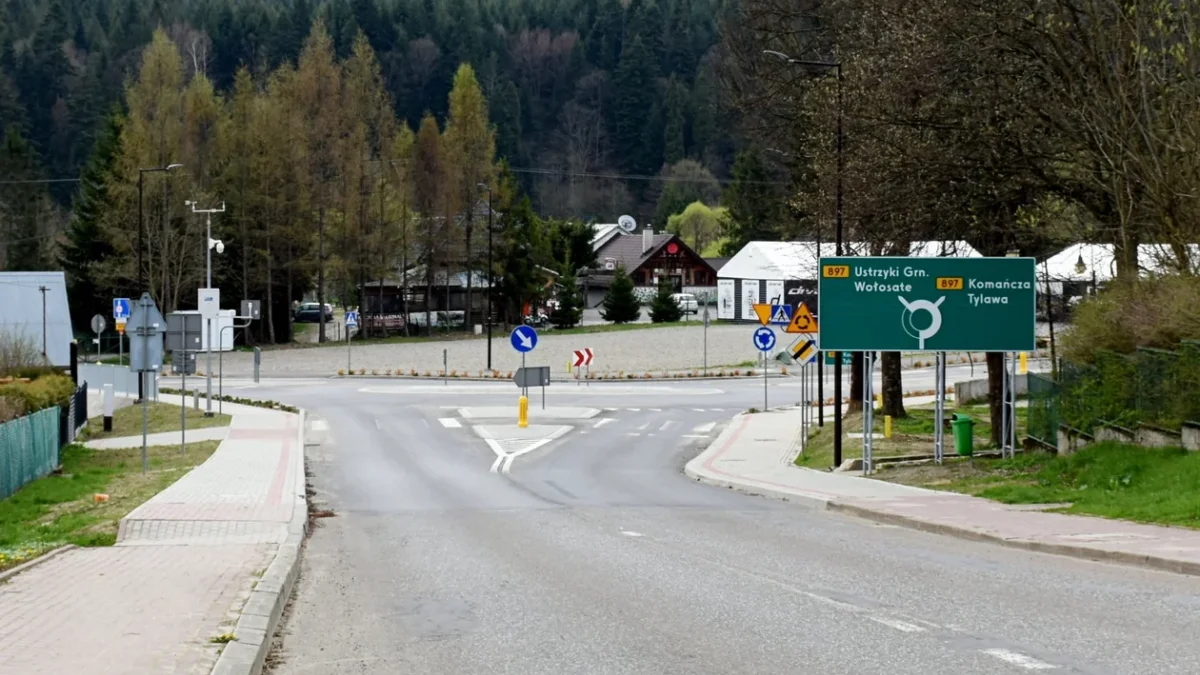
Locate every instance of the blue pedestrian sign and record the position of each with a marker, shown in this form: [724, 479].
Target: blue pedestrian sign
[523, 338]
[781, 315]
[764, 339]
[351, 319]
[120, 308]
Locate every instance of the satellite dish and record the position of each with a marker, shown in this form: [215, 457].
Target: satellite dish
[627, 223]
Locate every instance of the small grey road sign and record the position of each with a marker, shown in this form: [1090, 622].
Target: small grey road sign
[532, 376]
[145, 328]
[98, 324]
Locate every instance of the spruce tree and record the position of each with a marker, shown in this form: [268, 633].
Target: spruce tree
[569, 309]
[620, 302]
[664, 309]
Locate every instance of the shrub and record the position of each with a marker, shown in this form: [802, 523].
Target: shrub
[20, 356]
[44, 392]
[1167, 310]
[341, 373]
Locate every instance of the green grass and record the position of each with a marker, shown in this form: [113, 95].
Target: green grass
[162, 417]
[1113, 480]
[911, 435]
[59, 509]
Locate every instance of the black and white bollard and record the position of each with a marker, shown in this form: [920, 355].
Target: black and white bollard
[108, 407]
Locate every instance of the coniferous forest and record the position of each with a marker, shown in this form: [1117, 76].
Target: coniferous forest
[344, 136]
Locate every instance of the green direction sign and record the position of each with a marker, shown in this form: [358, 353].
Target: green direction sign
[847, 358]
[927, 304]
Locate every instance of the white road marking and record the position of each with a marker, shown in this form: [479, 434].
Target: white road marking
[602, 422]
[610, 410]
[694, 436]
[643, 427]
[378, 425]
[634, 433]
[704, 428]
[902, 626]
[698, 409]
[716, 409]
[1019, 659]
[631, 533]
[425, 422]
[654, 409]
[634, 409]
[319, 425]
[450, 422]
[665, 425]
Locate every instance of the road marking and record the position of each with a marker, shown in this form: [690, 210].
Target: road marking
[633, 434]
[698, 409]
[643, 427]
[716, 409]
[902, 626]
[694, 436]
[450, 422]
[378, 424]
[704, 428]
[602, 422]
[1019, 659]
[631, 533]
[319, 425]
[610, 410]
[665, 425]
[425, 422]
[634, 409]
[654, 409]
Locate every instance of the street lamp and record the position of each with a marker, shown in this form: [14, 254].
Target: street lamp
[488, 319]
[142, 280]
[210, 244]
[837, 356]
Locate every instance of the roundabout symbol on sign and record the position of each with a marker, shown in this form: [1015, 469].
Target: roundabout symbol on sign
[935, 319]
[764, 339]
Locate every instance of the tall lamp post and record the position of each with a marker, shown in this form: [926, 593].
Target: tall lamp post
[837, 356]
[209, 245]
[488, 319]
[142, 278]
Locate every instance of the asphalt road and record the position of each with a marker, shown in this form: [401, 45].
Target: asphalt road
[594, 554]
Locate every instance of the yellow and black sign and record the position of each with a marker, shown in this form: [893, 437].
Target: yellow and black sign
[804, 351]
[949, 283]
[836, 272]
[802, 321]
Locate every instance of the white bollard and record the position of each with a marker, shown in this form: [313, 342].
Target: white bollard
[108, 406]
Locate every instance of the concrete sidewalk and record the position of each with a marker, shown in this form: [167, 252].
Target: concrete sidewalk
[754, 454]
[162, 438]
[215, 553]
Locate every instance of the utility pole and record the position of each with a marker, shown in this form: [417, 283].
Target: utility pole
[43, 289]
[141, 271]
[488, 319]
[209, 245]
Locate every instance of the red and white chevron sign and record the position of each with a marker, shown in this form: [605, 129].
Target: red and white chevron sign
[583, 357]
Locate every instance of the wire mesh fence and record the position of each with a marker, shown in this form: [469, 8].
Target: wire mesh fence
[28, 449]
[1155, 387]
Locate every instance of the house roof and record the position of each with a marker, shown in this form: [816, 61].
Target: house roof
[603, 233]
[627, 250]
[717, 263]
[800, 259]
[1099, 261]
[22, 316]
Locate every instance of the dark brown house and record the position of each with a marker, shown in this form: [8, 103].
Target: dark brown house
[650, 259]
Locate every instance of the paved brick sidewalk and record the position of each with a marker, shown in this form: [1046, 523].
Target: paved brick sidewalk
[754, 454]
[163, 438]
[186, 565]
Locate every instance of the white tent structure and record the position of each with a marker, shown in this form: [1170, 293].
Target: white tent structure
[787, 271]
[35, 316]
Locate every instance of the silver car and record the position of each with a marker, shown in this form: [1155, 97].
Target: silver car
[687, 302]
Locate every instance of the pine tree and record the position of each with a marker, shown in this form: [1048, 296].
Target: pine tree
[86, 248]
[23, 206]
[620, 302]
[631, 85]
[664, 309]
[569, 309]
[675, 114]
[753, 202]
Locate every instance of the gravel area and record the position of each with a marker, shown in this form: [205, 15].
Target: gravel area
[650, 349]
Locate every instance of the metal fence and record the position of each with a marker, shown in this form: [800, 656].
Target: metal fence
[1156, 387]
[73, 416]
[28, 449]
[1044, 416]
[123, 380]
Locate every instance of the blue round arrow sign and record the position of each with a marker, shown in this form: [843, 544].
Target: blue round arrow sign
[764, 339]
[523, 338]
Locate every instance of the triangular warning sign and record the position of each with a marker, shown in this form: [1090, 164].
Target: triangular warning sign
[802, 321]
[782, 315]
[763, 311]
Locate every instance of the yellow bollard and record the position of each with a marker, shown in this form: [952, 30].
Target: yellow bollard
[523, 412]
[887, 426]
[1024, 363]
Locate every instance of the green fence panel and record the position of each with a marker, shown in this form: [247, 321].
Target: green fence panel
[28, 449]
[1043, 417]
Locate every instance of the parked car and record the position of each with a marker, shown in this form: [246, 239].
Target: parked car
[687, 302]
[310, 312]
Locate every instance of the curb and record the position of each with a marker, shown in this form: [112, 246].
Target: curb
[1067, 550]
[30, 564]
[565, 380]
[260, 616]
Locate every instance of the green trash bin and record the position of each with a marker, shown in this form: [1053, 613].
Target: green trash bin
[964, 432]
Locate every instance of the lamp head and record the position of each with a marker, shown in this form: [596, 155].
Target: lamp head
[1080, 268]
[172, 167]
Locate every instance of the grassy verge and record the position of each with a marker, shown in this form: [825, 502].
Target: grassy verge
[1113, 480]
[59, 509]
[912, 435]
[162, 417]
